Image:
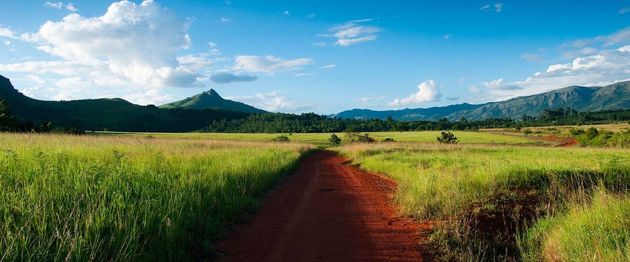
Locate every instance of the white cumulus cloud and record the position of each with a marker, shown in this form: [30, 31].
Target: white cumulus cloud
[427, 92]
[131, 46]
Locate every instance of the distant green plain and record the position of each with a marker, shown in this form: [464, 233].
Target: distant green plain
[465, 137]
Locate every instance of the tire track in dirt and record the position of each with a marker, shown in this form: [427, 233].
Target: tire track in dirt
[327, 211]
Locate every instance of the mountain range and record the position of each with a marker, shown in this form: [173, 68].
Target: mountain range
[580, 98]
[197, 112]
[112, 114]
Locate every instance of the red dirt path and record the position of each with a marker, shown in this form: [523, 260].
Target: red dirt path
[327, 211]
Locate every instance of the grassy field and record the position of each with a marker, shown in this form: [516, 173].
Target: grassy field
[605, 135]
[465, 137]
[149, 196]
[485, 195]
[561, 130]
[128, 198]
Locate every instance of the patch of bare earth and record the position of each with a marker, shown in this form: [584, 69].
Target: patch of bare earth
[560, 141]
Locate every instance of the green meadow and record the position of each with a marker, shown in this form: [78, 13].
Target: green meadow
[466, 137]
[492, 203]
[122, 198]
[171, 196]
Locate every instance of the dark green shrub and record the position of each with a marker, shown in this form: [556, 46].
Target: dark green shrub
[447, 138]
[576, 132]
[591, 133]
[388, 140]
[334, 140]
[365, 138]
[355, 137]
[281, 139]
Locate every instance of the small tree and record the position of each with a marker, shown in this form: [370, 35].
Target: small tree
[4, 109]
[447, 138]
[6, 119]
[591, 133]
[334, 139]
[281, 139]
[365, 138]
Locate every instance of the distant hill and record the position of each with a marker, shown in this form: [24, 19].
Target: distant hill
[212, 100]
[406, 114]
[580, 98]
[109, 114]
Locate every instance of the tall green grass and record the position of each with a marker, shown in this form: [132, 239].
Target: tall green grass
[121, 198]
[437, 181]
[474, 189]
[597, 230]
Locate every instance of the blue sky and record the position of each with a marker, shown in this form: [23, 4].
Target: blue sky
[320, 56]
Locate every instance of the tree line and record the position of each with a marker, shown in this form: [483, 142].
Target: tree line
[313, 123]
[9, 123]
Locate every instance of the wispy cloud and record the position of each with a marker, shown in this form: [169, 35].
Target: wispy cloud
[624, 10]
[7, 32]
[497, 84]
[531, 57]
[353, 32]
[268, 64]
[329, 66]
[302, 74]
[370, 100]
[226, 77]
[497, 7]
[274, 102]
[224, 20]
[61, 5]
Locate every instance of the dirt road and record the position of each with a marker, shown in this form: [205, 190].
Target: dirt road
[327, 211]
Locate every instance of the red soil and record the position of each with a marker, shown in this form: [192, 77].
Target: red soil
[560, 141]
[328, 211]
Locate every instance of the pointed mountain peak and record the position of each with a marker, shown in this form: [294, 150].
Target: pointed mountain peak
[212, 100]
[212, 92]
